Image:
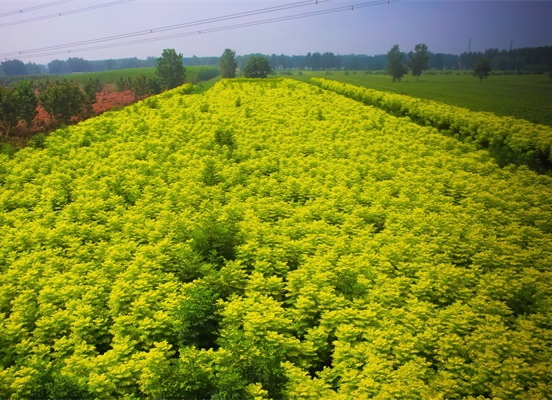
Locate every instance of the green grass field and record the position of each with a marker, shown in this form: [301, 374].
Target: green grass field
[112, 76]
[527, 97]
[106, 77]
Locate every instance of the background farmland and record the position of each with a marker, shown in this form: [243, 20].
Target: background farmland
[527, 97]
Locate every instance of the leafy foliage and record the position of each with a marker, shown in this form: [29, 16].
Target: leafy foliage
[418, 61]
[206, 73]
[228, 64]
[358, 255]
[8, 108]
[395, 67]
[257, 67]
[482, 69]
[510, 140]
[17, 104]
[63, 101]
[519, 96]
[170, 69]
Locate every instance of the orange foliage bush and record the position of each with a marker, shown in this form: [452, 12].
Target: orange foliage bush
[107, 99]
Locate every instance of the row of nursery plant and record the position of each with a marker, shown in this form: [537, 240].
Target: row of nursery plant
[510, 140]
[268, 239]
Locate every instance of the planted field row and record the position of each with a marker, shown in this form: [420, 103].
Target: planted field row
[510, 140]
[270, 239]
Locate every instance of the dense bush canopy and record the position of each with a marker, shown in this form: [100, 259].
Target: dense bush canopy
[194, 246]
[510, 140]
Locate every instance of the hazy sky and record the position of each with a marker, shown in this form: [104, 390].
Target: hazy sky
[445, 26]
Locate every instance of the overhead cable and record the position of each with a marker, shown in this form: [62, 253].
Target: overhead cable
[64, 13]
[34, 8]
[166, 28]
[218, 29]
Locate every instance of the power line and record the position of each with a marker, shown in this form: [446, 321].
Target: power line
[166, 28]
[62, 14]
[217, 29]
[25, 10]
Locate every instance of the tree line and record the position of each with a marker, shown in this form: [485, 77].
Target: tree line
[418, 61]
[72, 65]
[527, 59]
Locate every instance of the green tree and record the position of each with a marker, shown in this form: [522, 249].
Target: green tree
[8, 109]
[26, 102]
[316, 61]
[395, 66]
[34, 69]
[16, 105]
[482, 69]
[57, 67]
[170, 69]
[257, 67]
[91, 87]
[418, 60]
[14, 67]
[123, 84]
[228, 64]
[141, 86]
[75, 64]
[63, 101]
[154, 85]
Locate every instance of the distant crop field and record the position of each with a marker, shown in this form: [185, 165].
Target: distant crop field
[527, 97]
[193, 74]
[113, 76]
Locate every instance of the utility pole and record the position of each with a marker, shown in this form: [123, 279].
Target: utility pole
[461, 62]
[510, 55]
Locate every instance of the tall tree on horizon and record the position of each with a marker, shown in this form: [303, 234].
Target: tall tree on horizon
[418, 61]
[395, 66]
[170, 69]
[228, 64]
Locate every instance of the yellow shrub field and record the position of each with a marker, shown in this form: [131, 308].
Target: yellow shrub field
[271, 239]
